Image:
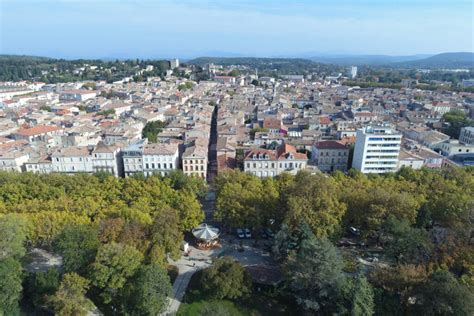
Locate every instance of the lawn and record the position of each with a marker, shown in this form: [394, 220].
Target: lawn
[263, 302]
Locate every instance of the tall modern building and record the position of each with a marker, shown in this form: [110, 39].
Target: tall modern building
[376, 149]
[353, 72]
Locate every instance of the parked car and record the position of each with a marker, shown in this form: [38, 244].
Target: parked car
[240, 233]
[354, 231]
[247, 233]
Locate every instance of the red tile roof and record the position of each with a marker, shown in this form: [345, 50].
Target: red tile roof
[37, 130]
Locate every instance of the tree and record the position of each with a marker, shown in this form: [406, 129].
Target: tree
[70, 299]
[311, 199]
[226, 278]
[13, 228]
[113, 265]
[146, 293]
[10, 286]
[152, 129]
[457, 119]
[78, 246]
[360, 296]
[40, 285]
[407, 244]
[314, 275]
[443, 295]
[179, 181]
[255, 130]
[166, 236]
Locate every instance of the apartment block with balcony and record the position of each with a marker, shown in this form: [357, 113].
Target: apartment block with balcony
[376, 150]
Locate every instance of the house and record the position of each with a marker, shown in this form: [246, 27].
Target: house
[160, 158]
[330, 156]
[270, 163]
[194, 161]
[77, 95]
[72, 160]
[13, 159]
[36, 133]
[132, 158]
[272, 124]
[106, 158]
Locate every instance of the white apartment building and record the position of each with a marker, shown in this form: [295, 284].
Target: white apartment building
[13, 160]
[106, 158]
[160, 158]
[72, 160]
[195, 161]
[330, 155]
[376, 150]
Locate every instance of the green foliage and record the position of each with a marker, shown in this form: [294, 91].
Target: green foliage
[443, 295]
[188, 85]
[40, 285]
[13, 229]
[456, 119]
[255, 130]
[11, 277]
[152, 129]
[70, 299]
[314, 275]
[215, 308]
[146, 293]
[106, 112]
[179, 181]
[165, 237]
[407, 244]
[226, 278]
[359, 296]
[114, 264]
[46, 108]
[78, 246]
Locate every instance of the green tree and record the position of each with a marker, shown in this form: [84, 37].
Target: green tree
[11, 277]
[166, 237]
[78, 246]
[13, 230]
[456, 119]
[314, 275]
[226, 278]
[407, 244]
[152, 129]
[42, 284]
[70, 299]
[443, 295]
[146, 293]
[360, 296]
[113, 265]
[311, 199]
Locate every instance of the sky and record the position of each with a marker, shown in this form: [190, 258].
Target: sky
[264, 28]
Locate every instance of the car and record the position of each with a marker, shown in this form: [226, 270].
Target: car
[240, 233]
[354, 231]
[247, 233]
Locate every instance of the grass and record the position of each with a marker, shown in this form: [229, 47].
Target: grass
[263, 302]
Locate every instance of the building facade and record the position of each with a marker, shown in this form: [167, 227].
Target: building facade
[330, 156]
[376, 150]
[160, 158]
[195, 161]
[270, 163]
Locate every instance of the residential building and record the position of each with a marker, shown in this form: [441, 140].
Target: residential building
[72, 160]
[160, 158]
[269, 163]
[453, 147]
[330, 156]
[77, 95]
[376, 149]
[466, 136]
[132, 158]
[194, 161]
[106, 158]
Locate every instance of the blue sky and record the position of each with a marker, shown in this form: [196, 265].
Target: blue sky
[189, 28]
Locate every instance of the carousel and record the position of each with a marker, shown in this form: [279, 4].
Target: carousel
[207, 237]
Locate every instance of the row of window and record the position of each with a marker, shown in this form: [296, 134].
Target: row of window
[159, 158]
[193, 168]
[158, 166]
[286, 165]
[193, 161]
[333, 153]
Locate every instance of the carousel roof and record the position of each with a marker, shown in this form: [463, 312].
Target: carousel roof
[205, 232]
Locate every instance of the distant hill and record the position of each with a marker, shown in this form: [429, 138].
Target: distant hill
[371, 60]
[445, 60]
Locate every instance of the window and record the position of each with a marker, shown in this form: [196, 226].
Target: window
[146, 166]
[153, 165]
